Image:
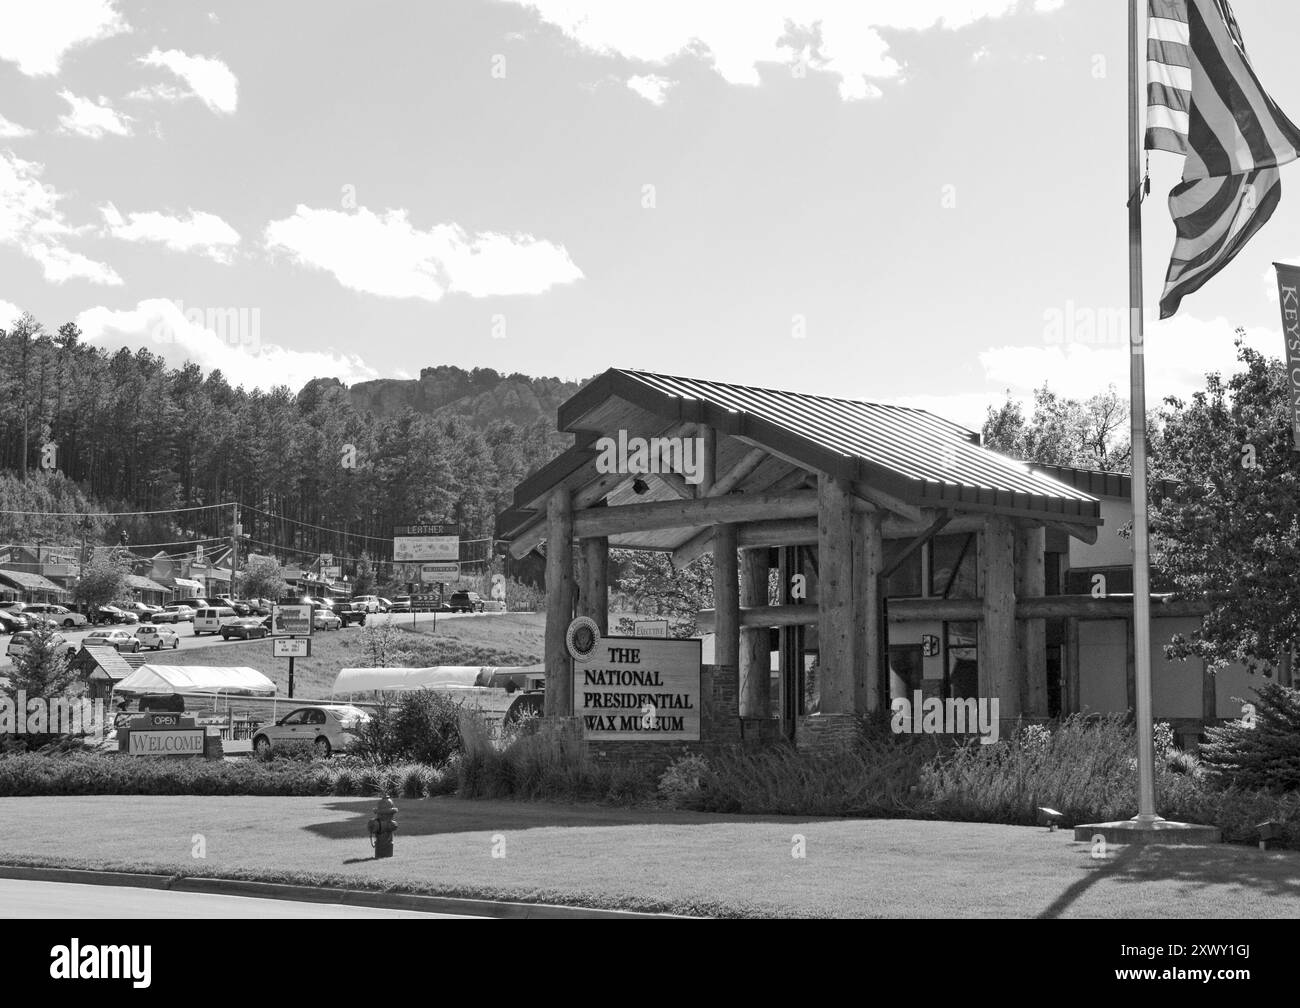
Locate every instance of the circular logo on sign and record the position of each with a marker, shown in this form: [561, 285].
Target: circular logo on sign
[582, 639]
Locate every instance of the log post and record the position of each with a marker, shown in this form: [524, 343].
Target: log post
[559, 603]
[837, 664]
[998, 666]
[755, 642]
[1070, 665]
[1031, 635]
[593, 598]
[868, 561]
[726, 598]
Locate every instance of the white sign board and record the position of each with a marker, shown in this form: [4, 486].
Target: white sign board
[291, 647]
[639, 688]
[413, 549]
[331, 573]
[291, 619]
[439, 572]
[182, 742]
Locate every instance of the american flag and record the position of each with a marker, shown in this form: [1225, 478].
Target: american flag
[1204, 101]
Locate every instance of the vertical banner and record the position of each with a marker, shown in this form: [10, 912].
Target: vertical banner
[1288, 294]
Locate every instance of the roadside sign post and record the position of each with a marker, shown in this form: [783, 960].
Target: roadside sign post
[436, 548]
[298, 622]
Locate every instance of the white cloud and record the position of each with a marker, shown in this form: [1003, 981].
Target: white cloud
[9, 313]
[31, 221]
[160, 92]
[37, 35]
[383, 254]
[653, 89]
[11, 130]
[1179, 353]
[199, 232]
[225, 338]
[209, 79]
[740, 36]
[91, 119]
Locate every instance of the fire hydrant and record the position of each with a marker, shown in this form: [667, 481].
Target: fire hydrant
[382, 827]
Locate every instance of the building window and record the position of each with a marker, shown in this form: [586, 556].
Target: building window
[907, 580]
[953, 567]
[961, 660]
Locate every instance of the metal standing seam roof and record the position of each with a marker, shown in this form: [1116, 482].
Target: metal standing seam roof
[912, 453]
[107, 657]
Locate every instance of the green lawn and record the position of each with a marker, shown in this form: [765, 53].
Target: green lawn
[332, 650]
[657, 860]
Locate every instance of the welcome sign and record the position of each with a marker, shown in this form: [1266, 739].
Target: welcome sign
[638, 689]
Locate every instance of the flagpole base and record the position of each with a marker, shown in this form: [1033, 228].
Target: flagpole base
[1152, 830]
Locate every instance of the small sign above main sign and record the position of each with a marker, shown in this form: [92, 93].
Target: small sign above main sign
[426, 530]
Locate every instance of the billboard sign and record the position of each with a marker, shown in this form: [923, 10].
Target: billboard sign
[439, 572]
[294, 620]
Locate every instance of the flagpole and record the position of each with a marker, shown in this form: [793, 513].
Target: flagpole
[1137, 400]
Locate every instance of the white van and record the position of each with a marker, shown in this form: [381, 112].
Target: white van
[209, 619]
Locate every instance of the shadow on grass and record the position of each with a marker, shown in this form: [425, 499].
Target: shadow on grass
[1267, 874]
[449, 815]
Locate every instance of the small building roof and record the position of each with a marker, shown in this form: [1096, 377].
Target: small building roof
[144, 583]
[30, 582]
[109, 663]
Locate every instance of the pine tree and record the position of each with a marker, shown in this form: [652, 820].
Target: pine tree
[1262, 751]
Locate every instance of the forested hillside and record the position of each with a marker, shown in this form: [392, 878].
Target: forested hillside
[130, 433]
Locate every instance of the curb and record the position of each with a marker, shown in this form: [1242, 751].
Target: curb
[497, 909]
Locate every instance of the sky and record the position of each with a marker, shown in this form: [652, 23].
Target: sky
[910, 201]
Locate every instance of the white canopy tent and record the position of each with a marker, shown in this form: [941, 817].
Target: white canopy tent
[232, 680]
[441, 677]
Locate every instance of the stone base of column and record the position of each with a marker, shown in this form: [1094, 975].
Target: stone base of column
[1162, 831]
[826, 734]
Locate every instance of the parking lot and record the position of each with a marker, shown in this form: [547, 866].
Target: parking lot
[188, 642]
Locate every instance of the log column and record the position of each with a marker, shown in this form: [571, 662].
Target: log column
[998, 666]
[868, 561]
[726, 598]
[836, 633]
[559, 603]
[755, 642]
[1031, 635]
[593, 599]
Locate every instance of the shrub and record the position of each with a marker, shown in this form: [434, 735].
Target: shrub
[111, 773]
[681, 783]
[1265, 755]
[423, 727]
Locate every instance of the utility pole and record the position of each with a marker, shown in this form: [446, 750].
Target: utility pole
[235, 531]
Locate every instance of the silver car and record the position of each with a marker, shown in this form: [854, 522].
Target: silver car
[327, 727]
[157, 637]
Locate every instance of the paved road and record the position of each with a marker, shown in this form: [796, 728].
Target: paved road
[188, 642]
[20, 899]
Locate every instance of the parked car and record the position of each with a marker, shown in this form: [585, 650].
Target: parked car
[112, 614]
[20, 641]
[324, 603]
[325, 619]
[328, 727]
[384, 604]
[349, 613]
[466, 601]
[258, 606]
[211, 619]
[143, 611]
[369, 603]
[12, 622]
[121, 640]
[157, 637]
[245, 628]
[177, 612]
[400, 604]
[56, 614]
